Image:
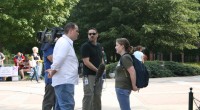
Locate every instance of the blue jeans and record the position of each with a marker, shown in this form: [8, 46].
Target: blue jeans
[35, 73]
[64, 97]
[123, 98]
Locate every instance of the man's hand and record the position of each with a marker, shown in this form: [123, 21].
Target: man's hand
[51, 72]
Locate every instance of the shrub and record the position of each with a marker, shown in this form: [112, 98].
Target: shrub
[165, 68]
[193, 69]
[179, 69]
[110, 68]
[158, 69]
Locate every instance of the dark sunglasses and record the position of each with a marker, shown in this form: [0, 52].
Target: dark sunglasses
[91, 34]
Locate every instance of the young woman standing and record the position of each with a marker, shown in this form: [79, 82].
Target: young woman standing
[125, 76]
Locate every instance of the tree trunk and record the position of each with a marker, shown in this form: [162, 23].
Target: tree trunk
[113, 59]
[161, 56]
[109, 59]
[151, 56]
[1, 47]
[182, 57]
[171, 56]
[158, 56]
[197, 58]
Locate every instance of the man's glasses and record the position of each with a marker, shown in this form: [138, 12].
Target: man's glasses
[91, 34]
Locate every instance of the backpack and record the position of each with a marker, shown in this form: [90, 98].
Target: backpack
[142, 75]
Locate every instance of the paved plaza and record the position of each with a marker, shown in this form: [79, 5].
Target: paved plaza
[161, 94]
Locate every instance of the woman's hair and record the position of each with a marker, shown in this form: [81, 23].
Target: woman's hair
[139, 47]
[125, 42]
[35, 49]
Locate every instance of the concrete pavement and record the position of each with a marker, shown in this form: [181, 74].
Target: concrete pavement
[161, 94]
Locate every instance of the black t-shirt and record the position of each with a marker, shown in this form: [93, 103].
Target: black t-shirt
[94, 52]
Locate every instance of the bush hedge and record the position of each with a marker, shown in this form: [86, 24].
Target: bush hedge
[165, 68]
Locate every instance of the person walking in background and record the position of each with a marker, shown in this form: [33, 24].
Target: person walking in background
[91, 53]
[138, 53]
[49, 96]
[35, 56]
[64, 70]
[2, 58]
[125, 76]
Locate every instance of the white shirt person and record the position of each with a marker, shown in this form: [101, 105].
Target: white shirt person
[138, 54]
[64, 70]
[66, 67]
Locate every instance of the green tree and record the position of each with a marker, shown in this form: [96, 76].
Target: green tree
[158, 25]
[20, 20]
[173, 24]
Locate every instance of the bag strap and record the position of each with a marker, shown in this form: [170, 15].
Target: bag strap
[120, 61]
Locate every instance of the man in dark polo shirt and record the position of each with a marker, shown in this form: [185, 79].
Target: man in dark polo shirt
[92, 57]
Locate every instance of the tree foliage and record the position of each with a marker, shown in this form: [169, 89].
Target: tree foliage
[20, 20]
[174, 24]
[159, 25]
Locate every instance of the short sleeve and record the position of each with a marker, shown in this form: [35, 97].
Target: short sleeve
[85, 51]
[48, 51]
[127, 61]
[2, 55]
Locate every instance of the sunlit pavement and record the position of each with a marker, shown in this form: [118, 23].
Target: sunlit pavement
[161, 94]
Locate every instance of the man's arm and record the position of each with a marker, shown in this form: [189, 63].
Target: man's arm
[3, 56]
[50, 58]
[103, 62]
[87, 63]
[49, 55]
[51, 72]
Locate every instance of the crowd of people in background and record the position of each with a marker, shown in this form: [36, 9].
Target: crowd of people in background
[27, 64]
